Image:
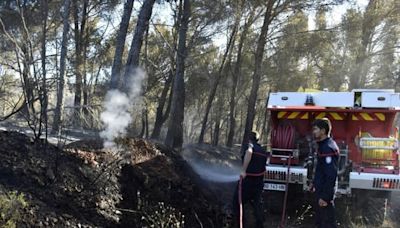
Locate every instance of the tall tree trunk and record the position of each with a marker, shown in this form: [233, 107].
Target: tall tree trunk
[78, 75]
[213, 91]
[43, 92]
[79, 43]
[160, 116]
[143, 130]
[175, 128]
[146, 135]
[257, 72]
[136, 45]
[235, 77]
[264, 130]
[85, 90]
[120, 44]
[27, 85]
[220, 102]
[61, 81]
[217, 124]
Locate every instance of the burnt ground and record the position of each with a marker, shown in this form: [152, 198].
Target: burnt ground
[84, 185]
[139, 184]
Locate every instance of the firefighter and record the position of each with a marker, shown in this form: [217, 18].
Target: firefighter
[251, 184]
[325, 174]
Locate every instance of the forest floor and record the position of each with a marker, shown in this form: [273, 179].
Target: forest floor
[137, 184]
[83, 185]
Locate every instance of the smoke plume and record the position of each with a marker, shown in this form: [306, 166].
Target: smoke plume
[116, 116]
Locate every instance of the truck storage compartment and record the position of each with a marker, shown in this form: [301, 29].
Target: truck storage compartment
[287, 99]
[334, 99]
[375, 100]
[325, 99]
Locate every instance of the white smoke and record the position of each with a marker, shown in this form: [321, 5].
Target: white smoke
[116, 117]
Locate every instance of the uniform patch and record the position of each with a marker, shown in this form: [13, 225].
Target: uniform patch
[328, 160]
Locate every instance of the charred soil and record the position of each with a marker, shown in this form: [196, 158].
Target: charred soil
[83, 185]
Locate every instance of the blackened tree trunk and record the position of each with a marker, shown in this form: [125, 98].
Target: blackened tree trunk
[235, 77]
[162, 116]
[28, 85]
[120, 44]
[79, 48]
[43, 92]
[85, 89]
[144, 132]
[257, 71]
[217, 124]
[213, 91]
[136, 45]
[175, 127]
[61, 81]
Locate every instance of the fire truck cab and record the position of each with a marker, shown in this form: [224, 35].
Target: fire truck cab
[363, 125]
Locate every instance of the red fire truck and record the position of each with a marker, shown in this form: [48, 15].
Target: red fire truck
[363, 125]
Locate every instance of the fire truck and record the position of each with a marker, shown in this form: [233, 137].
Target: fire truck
[363, 125]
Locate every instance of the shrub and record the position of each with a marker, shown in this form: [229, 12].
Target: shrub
[11, 205]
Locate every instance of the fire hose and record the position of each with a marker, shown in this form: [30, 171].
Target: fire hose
[240, 203]
[286, 194]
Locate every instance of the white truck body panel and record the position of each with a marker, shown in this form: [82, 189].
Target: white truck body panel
[325, 99]
[277, 174]
[373, 181]
[369, 99]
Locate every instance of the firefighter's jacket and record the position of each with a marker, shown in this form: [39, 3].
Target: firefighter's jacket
[326, 170]
[258, 159]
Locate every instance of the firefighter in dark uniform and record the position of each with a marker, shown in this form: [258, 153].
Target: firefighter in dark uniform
[325, 174]
[254, 160]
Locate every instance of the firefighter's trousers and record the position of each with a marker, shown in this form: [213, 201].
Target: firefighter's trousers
[325, 216]
[251, 189]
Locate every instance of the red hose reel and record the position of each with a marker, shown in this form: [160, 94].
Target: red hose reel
[283, 144]
[283, 137]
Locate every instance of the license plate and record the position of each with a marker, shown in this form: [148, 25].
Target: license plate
[274, 187]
